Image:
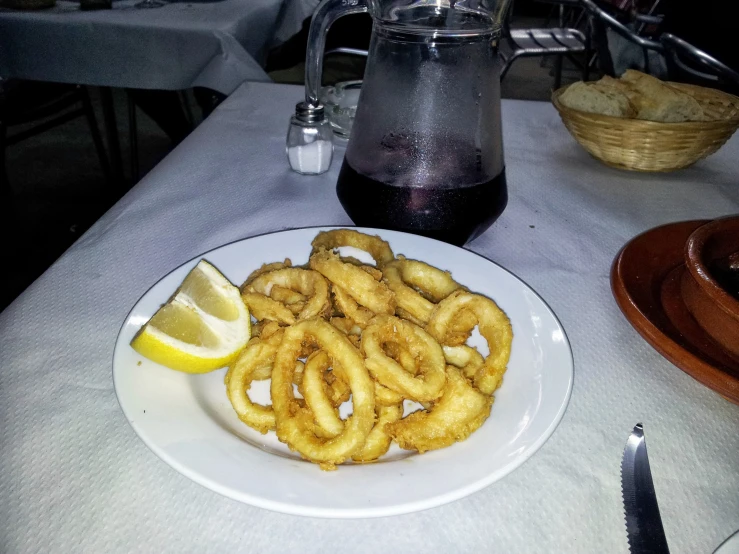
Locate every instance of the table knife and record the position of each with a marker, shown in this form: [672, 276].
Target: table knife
[643, 522]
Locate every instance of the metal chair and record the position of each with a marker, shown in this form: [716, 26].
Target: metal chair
[600, 20]
[568, 12]
[543, 42]
[684, 59]
[645, 22]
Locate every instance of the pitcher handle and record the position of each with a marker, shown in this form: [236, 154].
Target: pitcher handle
[326, 13]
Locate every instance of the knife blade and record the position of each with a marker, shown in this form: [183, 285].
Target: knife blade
[643, 522]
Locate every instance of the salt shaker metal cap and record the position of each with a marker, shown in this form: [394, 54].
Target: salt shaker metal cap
[309, 140]
[309, 114]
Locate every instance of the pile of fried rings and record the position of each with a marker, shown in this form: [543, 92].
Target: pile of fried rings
[338, 329]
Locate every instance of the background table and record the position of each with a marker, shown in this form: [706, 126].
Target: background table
[184, 44]
[294, 13]
[74, 476]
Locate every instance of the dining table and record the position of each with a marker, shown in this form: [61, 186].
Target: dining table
[74, 476]
[217, 44]
[182, 44]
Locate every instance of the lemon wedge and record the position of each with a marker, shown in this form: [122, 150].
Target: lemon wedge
[201, 328]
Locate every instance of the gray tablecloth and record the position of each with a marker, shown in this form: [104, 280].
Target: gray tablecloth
[184, 44]
[75, 478]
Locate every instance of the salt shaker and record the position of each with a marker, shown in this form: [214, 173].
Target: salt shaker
[310, 144]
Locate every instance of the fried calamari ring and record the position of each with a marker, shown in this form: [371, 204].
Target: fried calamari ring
[265, 328]
[426, 352]
[386, 397]
[263, 307]
[360, 315]
[418, 287]
[296, 308]
[383, 395]
[335, 387]
[411, 321]
[360, 285]
[378, 441]
[402, 355]
[346, 326]
[376, 247]
[349, 328]
[290, 417]
[338, 389]
[349, 307]
[464, 357]
[323, 392]
[458, 413]
[306, 282]
[375, 273]
[293, 300]
[298, 376]
[317, 395]
[253, 364]
[494, 325]
[266, 268]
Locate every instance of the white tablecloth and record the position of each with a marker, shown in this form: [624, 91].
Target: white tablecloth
[184, 44]
[75, 478]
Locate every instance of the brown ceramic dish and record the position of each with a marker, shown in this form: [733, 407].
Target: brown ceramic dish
[712, 306]
[645, 279]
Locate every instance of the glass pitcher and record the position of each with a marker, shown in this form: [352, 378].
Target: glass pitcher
[425, 154]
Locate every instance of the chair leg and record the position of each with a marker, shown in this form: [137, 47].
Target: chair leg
[133, 139]
[599, 43]
[111, 131]
[97, 138]
[507, 65]
[558, 71]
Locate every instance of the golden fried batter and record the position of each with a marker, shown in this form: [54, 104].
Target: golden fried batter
[459, 412]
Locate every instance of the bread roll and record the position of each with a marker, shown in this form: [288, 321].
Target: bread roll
[595, 98]
[658, 101]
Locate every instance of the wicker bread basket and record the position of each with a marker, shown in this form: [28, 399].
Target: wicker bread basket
[640, 145]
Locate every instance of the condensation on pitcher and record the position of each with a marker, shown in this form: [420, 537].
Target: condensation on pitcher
[311, 158]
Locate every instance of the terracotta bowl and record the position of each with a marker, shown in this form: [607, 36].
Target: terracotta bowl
[709, 249]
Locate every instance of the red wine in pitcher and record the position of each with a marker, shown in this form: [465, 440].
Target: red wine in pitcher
[454, 215]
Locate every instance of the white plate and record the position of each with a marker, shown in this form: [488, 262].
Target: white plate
[729, 546]
[188, 421]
